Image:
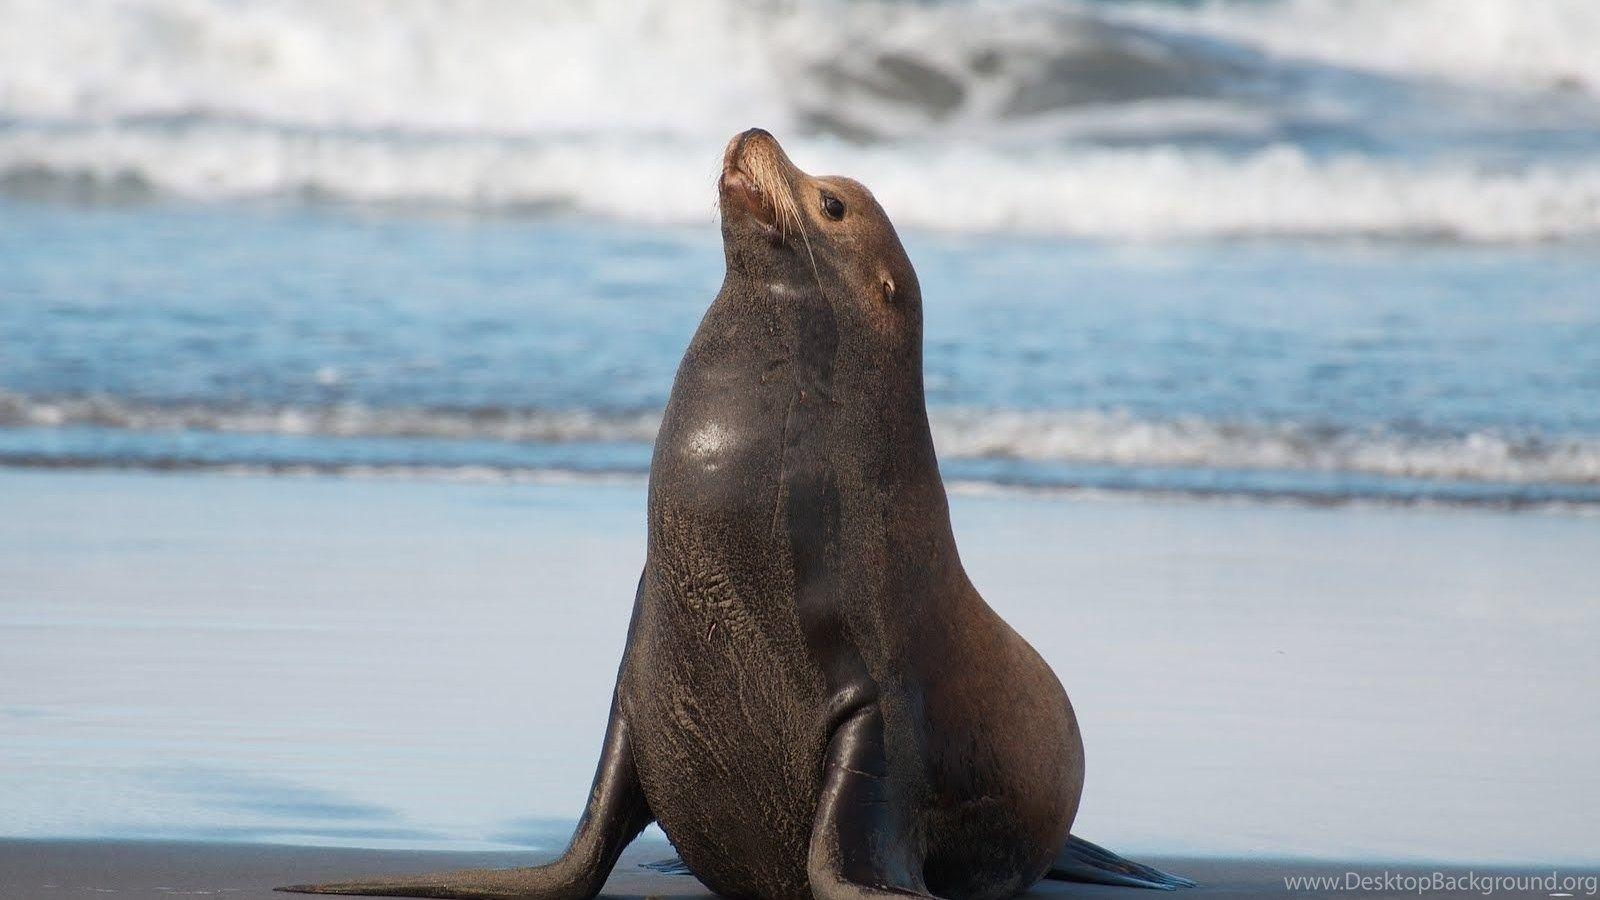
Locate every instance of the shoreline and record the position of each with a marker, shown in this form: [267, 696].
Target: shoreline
[1129, 485]
[69, 869]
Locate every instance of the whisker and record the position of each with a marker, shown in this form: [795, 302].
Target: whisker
[775, 189]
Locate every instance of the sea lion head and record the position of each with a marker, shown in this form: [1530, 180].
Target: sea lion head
[819, 286]
[782, 225]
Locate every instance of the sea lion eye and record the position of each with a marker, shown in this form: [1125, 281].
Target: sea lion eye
[832, 207]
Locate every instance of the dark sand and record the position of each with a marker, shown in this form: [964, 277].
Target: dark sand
[82, 869]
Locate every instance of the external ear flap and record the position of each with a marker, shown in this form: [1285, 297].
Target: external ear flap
[888, 289]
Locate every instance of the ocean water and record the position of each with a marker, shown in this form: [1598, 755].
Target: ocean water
[318, 340]
[1259, 249]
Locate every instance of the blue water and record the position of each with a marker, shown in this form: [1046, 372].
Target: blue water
[1267, 249]
[167, 335]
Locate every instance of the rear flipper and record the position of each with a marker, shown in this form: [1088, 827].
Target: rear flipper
[616, 813]
[673, 866]
[1080, 860]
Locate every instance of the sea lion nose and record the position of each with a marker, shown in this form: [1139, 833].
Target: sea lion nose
[737, 145]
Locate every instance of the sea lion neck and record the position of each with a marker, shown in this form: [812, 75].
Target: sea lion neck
[779, 366]
[764, 283]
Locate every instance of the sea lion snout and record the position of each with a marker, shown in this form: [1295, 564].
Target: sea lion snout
[749, 143]
[757, 180]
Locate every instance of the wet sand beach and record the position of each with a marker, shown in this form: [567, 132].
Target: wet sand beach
[424, 665]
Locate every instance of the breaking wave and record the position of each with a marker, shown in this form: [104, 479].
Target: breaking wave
[1155, 193]
[1532, 43]
[1137, 120]
[995, 438]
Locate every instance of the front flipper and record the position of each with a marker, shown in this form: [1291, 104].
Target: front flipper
[1082, 861]
[615, 815]
[860, 844]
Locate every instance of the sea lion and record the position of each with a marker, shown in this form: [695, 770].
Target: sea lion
[814, 700]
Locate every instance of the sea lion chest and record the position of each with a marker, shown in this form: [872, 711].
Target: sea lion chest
[726, 701]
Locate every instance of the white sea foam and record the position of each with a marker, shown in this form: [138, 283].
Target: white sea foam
[1533, 43]
[1130, 120]
[687, 66]
[348, 420]
[1142, 194]
[1059, 436]
[1123, 440]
